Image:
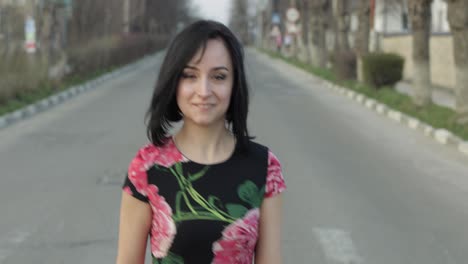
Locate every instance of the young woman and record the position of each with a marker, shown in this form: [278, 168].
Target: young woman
[207, 194]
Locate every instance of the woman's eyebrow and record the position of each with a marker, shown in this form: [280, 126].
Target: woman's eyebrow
[220, 68]
[213, 69]
[191, 67]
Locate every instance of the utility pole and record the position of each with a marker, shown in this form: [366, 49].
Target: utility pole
[261, 6]
[126, 16]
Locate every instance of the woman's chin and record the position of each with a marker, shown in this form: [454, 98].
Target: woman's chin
[206, 122]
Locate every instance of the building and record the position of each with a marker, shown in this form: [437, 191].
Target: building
[391, 17]
[392, 28]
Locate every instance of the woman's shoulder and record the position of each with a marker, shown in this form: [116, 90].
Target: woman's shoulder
[274, 180]
[257, 148]
[163, 155]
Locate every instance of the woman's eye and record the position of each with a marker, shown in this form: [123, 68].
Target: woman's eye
[188, 76]
[220, 77]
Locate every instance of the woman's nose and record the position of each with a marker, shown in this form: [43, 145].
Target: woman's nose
[204, 87]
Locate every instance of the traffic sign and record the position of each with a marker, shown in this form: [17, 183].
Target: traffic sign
[292, 28]
[292, 14]
[276, 19]
[30, 34]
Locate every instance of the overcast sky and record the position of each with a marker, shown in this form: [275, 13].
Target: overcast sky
[214, 9]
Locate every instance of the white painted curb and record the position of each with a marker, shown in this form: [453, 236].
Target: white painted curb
[47, 103]
[442, 135]
[463, 147]
[413, 123]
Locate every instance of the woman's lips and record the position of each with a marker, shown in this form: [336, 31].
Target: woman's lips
[204, 106]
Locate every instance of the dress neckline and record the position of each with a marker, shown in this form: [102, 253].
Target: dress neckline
[234, 151]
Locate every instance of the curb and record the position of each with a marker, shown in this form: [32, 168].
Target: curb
[56, 99]
[441, 136]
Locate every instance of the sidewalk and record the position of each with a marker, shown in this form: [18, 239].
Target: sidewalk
[439, 96]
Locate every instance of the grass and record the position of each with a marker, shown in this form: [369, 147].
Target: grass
[45, 90]
[23, 82]
[434, 115]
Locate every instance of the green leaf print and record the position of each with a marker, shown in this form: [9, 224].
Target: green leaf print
[178, 167]
[215, 202]
[262, 192]
[236, 210]
[198, 175]
[249, 193]
[193, 200]
[170, 259]
[159, 168]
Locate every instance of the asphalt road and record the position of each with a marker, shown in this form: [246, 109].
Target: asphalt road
[361, 188]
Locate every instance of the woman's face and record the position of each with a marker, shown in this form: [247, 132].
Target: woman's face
[205, 87]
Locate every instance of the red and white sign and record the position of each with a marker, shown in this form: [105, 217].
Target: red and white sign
[30, 35]
[292, 28]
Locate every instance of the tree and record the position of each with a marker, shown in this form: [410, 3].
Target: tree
[303, 6]
[420, 16]
[164, 17]
[458, 20]
[239, 21]
[319, 10]
[341, 13]
[362, 38]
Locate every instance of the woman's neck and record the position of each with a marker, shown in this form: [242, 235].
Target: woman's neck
[207, 145]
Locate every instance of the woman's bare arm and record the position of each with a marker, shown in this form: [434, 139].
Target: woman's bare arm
[269, 241]
[135, 224]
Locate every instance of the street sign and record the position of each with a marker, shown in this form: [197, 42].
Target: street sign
[276, 19]
[292, 14]
[292, 28]
[275, 31]
[30, 35]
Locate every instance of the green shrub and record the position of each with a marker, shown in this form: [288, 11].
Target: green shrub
[382, 69]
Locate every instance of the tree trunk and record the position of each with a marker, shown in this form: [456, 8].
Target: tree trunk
[458, 20]
[420, 14]
[363, 34]
[126, 16]
[342, 25]
[304, 6]
[239, 20]
[318, 26]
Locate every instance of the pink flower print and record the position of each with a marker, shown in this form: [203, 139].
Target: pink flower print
[275, 181]
[128, 190]
[237, 245]
[163, 228]
[146, 157]
[165, 156]
[137, 172]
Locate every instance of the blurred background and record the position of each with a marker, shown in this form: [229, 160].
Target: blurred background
[58, 42]
[386, 182]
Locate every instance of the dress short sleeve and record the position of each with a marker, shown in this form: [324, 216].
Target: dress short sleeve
[136, 181]
[275, 182]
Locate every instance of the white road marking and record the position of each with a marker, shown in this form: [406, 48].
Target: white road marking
[338, 246]
[18, 237]
[11, 241]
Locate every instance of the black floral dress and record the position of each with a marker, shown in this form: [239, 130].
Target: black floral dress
[204, 213]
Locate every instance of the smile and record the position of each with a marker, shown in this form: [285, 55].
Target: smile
[204, 106]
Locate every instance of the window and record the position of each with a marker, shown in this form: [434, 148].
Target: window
[404, 20]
